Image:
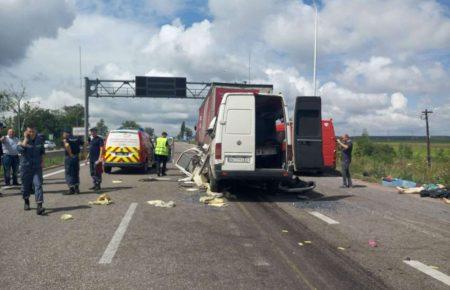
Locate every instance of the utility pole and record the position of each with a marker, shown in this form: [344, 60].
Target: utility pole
[425, 116]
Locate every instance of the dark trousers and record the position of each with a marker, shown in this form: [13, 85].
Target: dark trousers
[32, 181]
[95, 174]
[72, 170]
[10, 163]
[346, 178]
[161, 159]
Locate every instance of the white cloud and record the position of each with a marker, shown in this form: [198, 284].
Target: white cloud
[371, 72]
[22, 22]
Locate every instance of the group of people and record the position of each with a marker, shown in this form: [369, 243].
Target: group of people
[31, 150]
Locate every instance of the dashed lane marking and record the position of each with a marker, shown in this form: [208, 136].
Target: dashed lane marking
[429, 271]
[323, 217]
[113, 245]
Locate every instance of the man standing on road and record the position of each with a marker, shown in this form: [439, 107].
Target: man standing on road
[95, 158]
[31, 163]
[161, 154]
[347, 147]
[72, 162]
[10, 157]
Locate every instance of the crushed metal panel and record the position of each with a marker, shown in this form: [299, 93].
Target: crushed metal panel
[189, 160]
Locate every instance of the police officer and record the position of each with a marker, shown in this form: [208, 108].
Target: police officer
[31, 163]
[95, 158]
[161, 154]
[72, 162]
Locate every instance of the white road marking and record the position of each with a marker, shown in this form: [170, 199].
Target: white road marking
[323, 217]
[57, 172]
[113, 245]
[429, 271]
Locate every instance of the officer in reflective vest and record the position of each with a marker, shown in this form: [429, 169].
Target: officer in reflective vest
[71, 161]
[161, 154]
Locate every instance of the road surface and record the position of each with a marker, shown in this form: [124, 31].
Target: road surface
[258, 241]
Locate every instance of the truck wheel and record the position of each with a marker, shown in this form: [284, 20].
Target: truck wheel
[214, 184]
[108, 169]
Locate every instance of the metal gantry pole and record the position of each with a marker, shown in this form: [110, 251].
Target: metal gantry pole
[315, 47]
[86, 112]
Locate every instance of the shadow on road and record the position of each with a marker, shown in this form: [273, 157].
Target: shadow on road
[66, 208]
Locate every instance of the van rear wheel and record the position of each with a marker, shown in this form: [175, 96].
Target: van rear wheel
[108, 169]
[214, 184]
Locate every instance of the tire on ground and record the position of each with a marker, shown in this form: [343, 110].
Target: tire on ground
[214, 184]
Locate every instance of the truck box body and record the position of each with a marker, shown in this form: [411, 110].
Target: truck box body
[210, 106]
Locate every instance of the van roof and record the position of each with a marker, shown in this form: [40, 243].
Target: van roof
[124, 131]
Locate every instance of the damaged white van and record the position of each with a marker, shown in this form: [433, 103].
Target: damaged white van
[245, 143]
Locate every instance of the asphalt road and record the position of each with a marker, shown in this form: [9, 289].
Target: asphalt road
[252, 243]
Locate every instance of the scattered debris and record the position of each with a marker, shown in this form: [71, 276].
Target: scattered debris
[434, 267]
[300, 244]
[341, 248]
[192, 189]
[284, 231]
[446, 200]
[212, 200]
[307, 242]
[66, 217]
[117, 181]
[373, 243]
[103, 199]
[162, 178]
[394, 182]
[160, 203]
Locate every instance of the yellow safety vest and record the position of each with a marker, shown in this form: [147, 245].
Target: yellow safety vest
[161, 146]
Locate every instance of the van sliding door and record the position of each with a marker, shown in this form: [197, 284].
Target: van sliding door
[308, 134]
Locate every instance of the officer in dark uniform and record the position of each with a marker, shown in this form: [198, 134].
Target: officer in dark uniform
[72, 161]
[95, 158]
[31, 163]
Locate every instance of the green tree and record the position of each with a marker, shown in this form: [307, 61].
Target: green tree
[150, 131]
[189, 133]
[182, 131]
[73, 115]
[102, 129]
[129, 124]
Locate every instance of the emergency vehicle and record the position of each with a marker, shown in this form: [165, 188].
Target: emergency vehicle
[125, 148]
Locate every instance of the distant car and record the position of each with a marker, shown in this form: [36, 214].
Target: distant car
[49, 145]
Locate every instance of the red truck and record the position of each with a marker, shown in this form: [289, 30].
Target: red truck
[210, 106]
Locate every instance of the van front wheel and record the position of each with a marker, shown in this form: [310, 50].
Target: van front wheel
[214, 184]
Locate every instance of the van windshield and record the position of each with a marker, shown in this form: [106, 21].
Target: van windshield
[123, 139]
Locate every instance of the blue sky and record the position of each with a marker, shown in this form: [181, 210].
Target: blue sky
[380, 62]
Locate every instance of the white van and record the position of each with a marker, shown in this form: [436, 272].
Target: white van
[245, 143]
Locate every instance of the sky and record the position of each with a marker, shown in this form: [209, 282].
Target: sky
[380, 62]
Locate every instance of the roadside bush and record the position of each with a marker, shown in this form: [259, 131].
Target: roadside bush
[405, 151]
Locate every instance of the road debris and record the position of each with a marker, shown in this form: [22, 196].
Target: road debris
[160, 203]
[307, 242]
[116, 181]
[341, 248]
[446, 200]
[66, 217]
[284, 231]
[373, 243]
[192, 189]
[300, 244]
[103, 199]
[212, 200]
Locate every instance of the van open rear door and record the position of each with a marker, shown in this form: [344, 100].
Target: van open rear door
[307, 141]
[238, 135]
